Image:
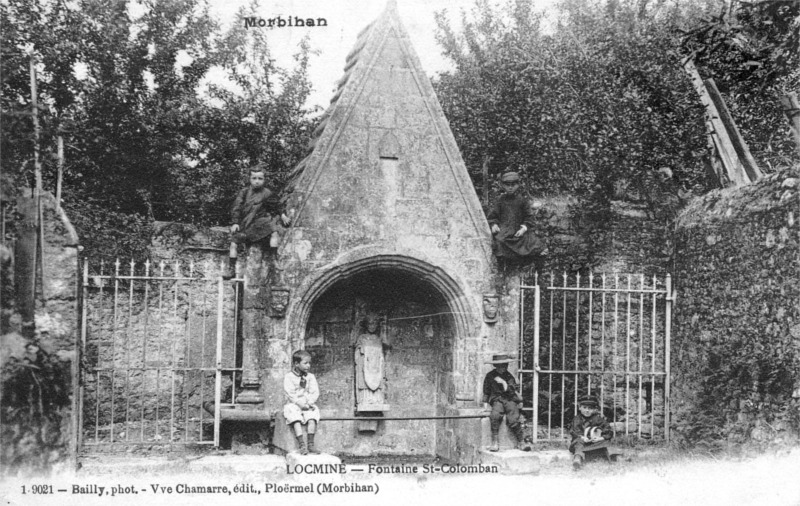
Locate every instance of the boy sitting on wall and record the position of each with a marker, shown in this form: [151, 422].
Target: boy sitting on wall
[510, 220]
[254, 217]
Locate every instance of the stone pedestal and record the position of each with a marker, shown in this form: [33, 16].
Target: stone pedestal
[253, 308]
[285, 442]
[249, 437]
[283, 439]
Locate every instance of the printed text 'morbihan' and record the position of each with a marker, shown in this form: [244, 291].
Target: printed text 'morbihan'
[283, 22]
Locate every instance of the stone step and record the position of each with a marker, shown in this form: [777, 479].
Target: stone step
[511, 461]
[507, 440]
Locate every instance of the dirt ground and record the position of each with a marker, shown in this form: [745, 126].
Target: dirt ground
[649, 477]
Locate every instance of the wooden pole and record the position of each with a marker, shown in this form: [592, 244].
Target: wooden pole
[60, 171]
[38, 250]
[791, 107]
[740, 167]
[37, 164]
[742, 151]
[485, 174]
[715, 167]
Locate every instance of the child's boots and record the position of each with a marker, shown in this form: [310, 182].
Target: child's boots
[495, 446]
[301, 441]
[311, 448]
[521, 444]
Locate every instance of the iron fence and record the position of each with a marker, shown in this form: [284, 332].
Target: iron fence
[160, 354]
[607, 336]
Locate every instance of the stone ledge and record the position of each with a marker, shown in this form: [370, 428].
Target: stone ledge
[239, 464]
[294, 458]
[550, 457]
[511, 461]
[239, 414]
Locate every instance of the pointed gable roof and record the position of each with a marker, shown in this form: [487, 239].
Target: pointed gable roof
[361, 61]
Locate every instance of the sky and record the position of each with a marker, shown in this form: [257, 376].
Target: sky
[345, 20]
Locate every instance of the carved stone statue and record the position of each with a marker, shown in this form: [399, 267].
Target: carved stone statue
[279, 299]
[370, 347]
[490, 302]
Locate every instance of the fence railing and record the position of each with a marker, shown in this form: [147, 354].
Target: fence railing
[160, 353]
[607, 336]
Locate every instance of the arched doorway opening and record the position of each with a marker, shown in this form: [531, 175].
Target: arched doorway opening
[419, 330]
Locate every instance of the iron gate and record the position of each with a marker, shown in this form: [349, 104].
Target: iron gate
[608, 336]
[160, 355]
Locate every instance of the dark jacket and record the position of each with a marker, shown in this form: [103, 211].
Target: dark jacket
[511, 211]
[250, 205]
[493, 390]
[508, 213]
[579, 424]
[254, 212]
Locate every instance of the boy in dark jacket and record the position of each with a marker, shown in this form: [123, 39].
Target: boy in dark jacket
[500, 393]
[254, 216]
[590, 432]
[510, 220]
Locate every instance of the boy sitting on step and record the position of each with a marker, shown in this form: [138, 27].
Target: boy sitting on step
[590, 432]
[302, 391]
[500, 393]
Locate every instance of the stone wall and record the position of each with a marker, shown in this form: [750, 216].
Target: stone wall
[626, 237]
[736, 340]
[38, 370]
[171, 241]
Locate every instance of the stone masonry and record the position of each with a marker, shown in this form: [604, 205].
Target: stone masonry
[736, 346]
[385, 219]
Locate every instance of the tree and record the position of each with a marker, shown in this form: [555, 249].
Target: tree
[265, 121]
[593, 103]
[143, 141]
[752, 51]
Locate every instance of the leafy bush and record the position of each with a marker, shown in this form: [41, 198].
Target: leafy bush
[35, 397]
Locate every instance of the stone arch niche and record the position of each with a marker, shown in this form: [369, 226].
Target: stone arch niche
[425, 314]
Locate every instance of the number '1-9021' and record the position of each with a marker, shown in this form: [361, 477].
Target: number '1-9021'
[37, 489]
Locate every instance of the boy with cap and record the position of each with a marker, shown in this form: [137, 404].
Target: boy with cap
[500, 393]
[510, 219]
[590, 432]
[254, 216]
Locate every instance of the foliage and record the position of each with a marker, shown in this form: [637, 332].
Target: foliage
[108, 233]
[591, 105]
[35, 394]
[752, 51]
[148, 136]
